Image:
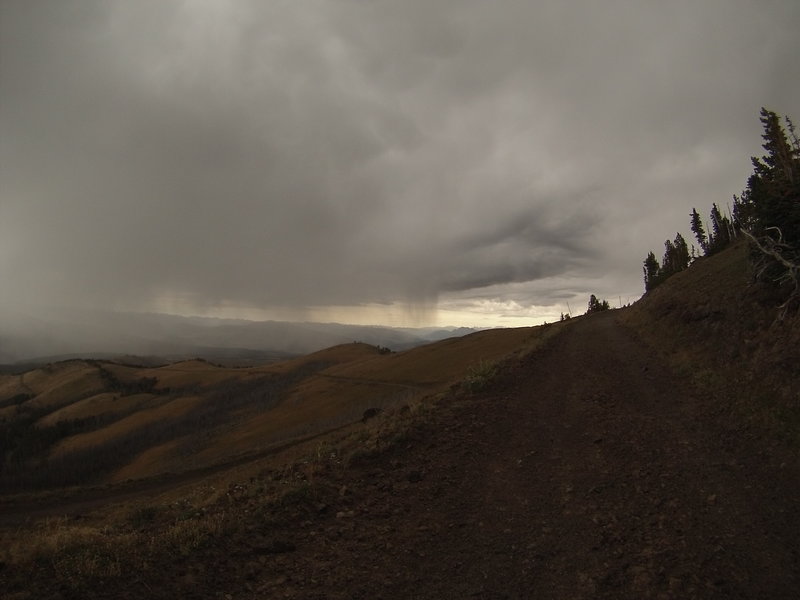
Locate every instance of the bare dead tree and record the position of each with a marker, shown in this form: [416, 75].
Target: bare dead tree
[778, 251]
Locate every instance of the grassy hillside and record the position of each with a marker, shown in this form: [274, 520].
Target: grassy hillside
[87, 422]
[714, 323]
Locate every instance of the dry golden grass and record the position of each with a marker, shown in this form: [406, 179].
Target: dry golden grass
[170, 409]
[341, 393]
[189, 374]
[10, 386]
[440, 363]
[80, 555]
[73, 549]
[152, 461]
[335, 355]
[100, 404]
[74, 381]
[45, 378]
[283, 423]
[131, 536]
[358, 377]
[123, 373]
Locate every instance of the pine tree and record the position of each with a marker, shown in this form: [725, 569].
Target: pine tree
[774, 186]
[596, 305]
[699, 231]
[743, 216]
[668, 261]
[719, 236]
[652, 272]
[779, 164]
[770, 205]
[681, 258]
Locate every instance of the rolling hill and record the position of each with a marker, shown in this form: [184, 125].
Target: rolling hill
[80, 422]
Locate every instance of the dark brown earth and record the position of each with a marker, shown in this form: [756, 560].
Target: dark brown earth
[586, 470]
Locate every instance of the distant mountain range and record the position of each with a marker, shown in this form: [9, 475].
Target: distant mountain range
[151, 337]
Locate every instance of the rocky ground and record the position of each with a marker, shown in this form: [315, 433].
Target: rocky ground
[585, 470]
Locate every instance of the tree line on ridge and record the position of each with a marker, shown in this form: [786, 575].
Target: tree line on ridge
[767, 213]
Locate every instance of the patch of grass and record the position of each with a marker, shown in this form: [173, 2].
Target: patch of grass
[186, 536]
[76, 554]
[80, 557]
[480, 376]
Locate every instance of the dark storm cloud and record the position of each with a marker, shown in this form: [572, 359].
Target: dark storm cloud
[313, 153]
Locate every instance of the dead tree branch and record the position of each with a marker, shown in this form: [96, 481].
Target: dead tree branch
[777, 250]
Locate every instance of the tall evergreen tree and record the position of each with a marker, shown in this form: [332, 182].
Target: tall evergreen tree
[772, 196]
[743, 217]
[779, 164]
[681, 258]
[676, 256]
[668, 266]
[651, 272]
[771, 205]
[699, 231]
[775, 183]
[719, 236]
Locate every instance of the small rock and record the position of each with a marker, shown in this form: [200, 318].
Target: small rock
[712, 499]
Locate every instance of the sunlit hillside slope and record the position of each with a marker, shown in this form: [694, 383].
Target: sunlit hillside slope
[84, 422]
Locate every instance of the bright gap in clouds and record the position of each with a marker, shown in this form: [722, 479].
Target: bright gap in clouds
[447, 311]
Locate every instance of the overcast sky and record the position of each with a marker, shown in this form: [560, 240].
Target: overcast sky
[386, 161]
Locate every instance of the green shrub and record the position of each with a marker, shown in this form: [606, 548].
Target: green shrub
[480, 376]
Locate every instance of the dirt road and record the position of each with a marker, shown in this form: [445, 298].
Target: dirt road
[588, 470]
